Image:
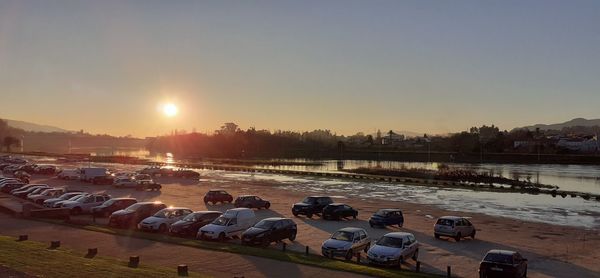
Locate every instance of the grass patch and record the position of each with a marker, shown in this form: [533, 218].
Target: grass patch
[288, 256]
[34, 258]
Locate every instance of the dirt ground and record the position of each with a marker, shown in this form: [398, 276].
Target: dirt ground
[552, 250]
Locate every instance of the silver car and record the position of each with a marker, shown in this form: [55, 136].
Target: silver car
[454, 226]
[346, 242]
[394, 249]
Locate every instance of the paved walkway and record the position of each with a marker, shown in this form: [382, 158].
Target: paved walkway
[218, 264]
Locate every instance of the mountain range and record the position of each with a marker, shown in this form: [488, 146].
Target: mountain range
[559, 126]
[27, 126]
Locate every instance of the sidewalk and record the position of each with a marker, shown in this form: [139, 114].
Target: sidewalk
[213, 263]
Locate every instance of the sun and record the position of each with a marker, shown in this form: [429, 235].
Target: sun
[170, 109]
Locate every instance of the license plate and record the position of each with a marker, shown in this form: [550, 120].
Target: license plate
[496, 269]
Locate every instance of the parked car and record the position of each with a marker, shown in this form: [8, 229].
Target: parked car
[132, 215]
[112, 205]
[45, 170]
[336, 211]
[38, 191]
[232, 223]
[25, 187]
[189, 225]
[387, 217]
[394, 249]
[143, 178]
[85, 204]
[346, 242]
[454, 226]
[23, 193]
[251, 201]
[503, 263]
[48, 194]
[162, 220]
[8, 180]
[217, 196]
[187, 174]
[311, 205]
[152, 186]
[75, 198]
[103, 180]
[10, 169]
[88, 174]
[8, 187]
[69, 174]
[50, 202]
[269, 230]
[125, 182]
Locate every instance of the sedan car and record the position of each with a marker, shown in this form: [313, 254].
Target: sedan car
[251, 201]
[8, 187]
[125, 182]
[337, 211]
[394, 249]
[387, 217]
[132, 215]
[112, 205]
[311, 205]
[67, 196]
[189, 225]
[346, 242]
[454, 226]
[24, 193]
[217, 196]
[85, 203]
[503, 263]
[269, 230]
[162, 220]
[47, 194]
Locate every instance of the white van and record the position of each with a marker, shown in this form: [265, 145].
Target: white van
[232, 223]
[69, 174]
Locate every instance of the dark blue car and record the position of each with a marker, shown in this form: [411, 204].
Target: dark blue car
[387, 217]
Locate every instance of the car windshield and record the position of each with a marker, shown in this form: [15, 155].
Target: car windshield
[499, 258]
[390, 242]
[309, 200]
[221, 221]
[265, 224]
[109, 202]
[192, 217]
[381, 212]
[445, 222]
[343, 235]
[163, 213]
[133, 207]
[77, 197]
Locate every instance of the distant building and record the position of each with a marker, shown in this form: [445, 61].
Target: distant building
[586, 144]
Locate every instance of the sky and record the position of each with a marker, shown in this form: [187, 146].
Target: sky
[347, 66]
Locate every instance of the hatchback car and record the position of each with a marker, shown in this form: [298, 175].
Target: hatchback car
[86, 203]
[454, 226]
[251, 201]
[346, 242]
[67, 196]
[162, 220]
[112, 205]
[394, 249]
[269, 230]
[311, 205]
[189, 225]
[337, 211]
[387, 217]
[503, 263]
[132, 215]
[217, 196]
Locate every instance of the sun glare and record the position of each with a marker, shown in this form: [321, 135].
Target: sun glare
[170, 110]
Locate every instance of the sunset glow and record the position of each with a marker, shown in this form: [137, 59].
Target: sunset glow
[170, 110]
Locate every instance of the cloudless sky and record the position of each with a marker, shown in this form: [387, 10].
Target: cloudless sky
[347, 66]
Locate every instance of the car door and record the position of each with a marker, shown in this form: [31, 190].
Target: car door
[469, 228]
[520, 264]
[412, 244]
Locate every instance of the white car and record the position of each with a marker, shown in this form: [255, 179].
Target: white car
[69, 174]
[85, 203]
[162, 220]
[394, 249]
[346, 242]
[125, 182]
[65, 197]
[232, 223]
[454, 226]
[47, 194]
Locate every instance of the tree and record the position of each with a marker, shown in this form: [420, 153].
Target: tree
[10, 141]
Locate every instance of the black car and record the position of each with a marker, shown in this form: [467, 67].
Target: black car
[311, 205]
[269, 230]
[387, 217]
[104, 180]
[217, 196]
[112, 205]
[503, 263]
[251, 201]
[6, 188]
[190, 224]
[133, 214]
[336, 211]
[187, 174]
[152, 186]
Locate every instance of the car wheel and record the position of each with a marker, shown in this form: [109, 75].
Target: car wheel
[309, 215]
[473, 234]
[436, 236]
[415, 256]
[367, 247]
[292, 236]
[267, 205]
[162, 228]
[349, 255]
[400, 262]
[525, 274]
[295, 214]
[76, 211]
[370, 224]
[222, 237]
[458, 237]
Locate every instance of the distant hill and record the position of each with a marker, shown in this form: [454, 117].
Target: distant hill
[571, 123]
[27, 126]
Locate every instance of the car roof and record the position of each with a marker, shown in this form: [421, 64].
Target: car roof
[337, 204]
[275, 218]
[176, 208]
[451, 217]
[151, 203]
[216, 190]
[503, 252]
[123, 198]
[238, 209]
[207, 212]
[318, 196]
[390, 209]
[350, 229]
[397, 234]
[242, 196]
